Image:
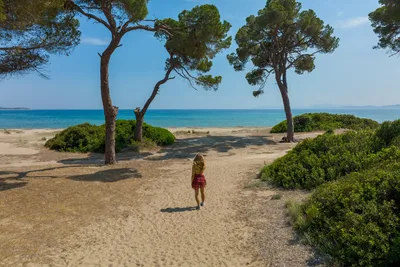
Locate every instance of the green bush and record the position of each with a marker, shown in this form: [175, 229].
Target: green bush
[388, 134]
[322, 159]
[353, 216]
[160, 136]
[324, 121]
[91, 138]
[355, 220]
[81, 138]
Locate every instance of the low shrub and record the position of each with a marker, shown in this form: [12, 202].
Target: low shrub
[81, 138]
[353, 216]
[160, 136]
[91, 138]
[324, 121]
[388, 134]
[355, 220]
[319, 160]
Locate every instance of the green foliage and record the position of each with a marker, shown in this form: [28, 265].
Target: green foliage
[317, 161]
[324, 121]
[355, 220]
[118, 11]
[30, 30]
[193, 41]
[353, 216]
[135, 9]
[386, 23]
[81, 138]
[388, 134]
[91, 138]
[281, 37]
[160, 136]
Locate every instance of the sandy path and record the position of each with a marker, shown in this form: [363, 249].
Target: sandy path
[160, 226]
[165, 230]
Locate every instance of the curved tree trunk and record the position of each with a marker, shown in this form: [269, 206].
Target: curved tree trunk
[139, 125]
[110, 111]
[139, 114]
[289, 116]
[283, 87]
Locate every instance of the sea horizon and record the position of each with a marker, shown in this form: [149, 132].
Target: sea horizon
[175, 118]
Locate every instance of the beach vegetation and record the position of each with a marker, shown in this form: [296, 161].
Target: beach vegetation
[355, 220]
[353, 215]
[279, 38]
[319, 160]
[386, 23]
[329, 157]
[32, 30]
[388, 135]
[310, 122]
[86, 137]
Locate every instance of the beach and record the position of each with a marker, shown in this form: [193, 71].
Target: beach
[65, 209]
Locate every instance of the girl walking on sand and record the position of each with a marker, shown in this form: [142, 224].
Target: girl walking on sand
[198, 180]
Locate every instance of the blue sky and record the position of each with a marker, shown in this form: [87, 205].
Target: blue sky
[354, 74]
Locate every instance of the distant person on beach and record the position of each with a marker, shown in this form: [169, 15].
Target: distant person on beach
[198, 179]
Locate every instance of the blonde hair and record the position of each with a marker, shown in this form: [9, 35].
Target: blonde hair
[199, 164]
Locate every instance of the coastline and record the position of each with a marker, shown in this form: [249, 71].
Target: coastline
[172, 129]
[60, 119]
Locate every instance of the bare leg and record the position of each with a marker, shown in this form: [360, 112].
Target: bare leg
[196, 195]
[203, 195]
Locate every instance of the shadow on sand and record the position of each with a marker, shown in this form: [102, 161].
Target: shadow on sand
[173, 210]
[104, 176]
[108, 176]
[22, 174]
[188, 148]
[95, 159]
[181, 149]
[7, 186]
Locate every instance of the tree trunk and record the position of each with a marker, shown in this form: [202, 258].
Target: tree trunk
[110, 111]
[288, 112]
[139, 114]
[139, 125]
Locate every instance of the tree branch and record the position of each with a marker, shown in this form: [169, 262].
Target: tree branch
[126, 29]
[106, 8]
[186, 78]
[158, 84]
[301, 56]
[188, 73]
[90, 16]
[24, 48]
[126, 24]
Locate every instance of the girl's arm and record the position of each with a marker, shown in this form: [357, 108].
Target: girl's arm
[192, 175]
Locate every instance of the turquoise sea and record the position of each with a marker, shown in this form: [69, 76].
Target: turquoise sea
[35, 119]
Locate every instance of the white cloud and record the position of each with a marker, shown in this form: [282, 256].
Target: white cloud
[94, 41]
[353, 22]
[340, 13]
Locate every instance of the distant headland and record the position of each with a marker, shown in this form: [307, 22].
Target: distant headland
[17, 108]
